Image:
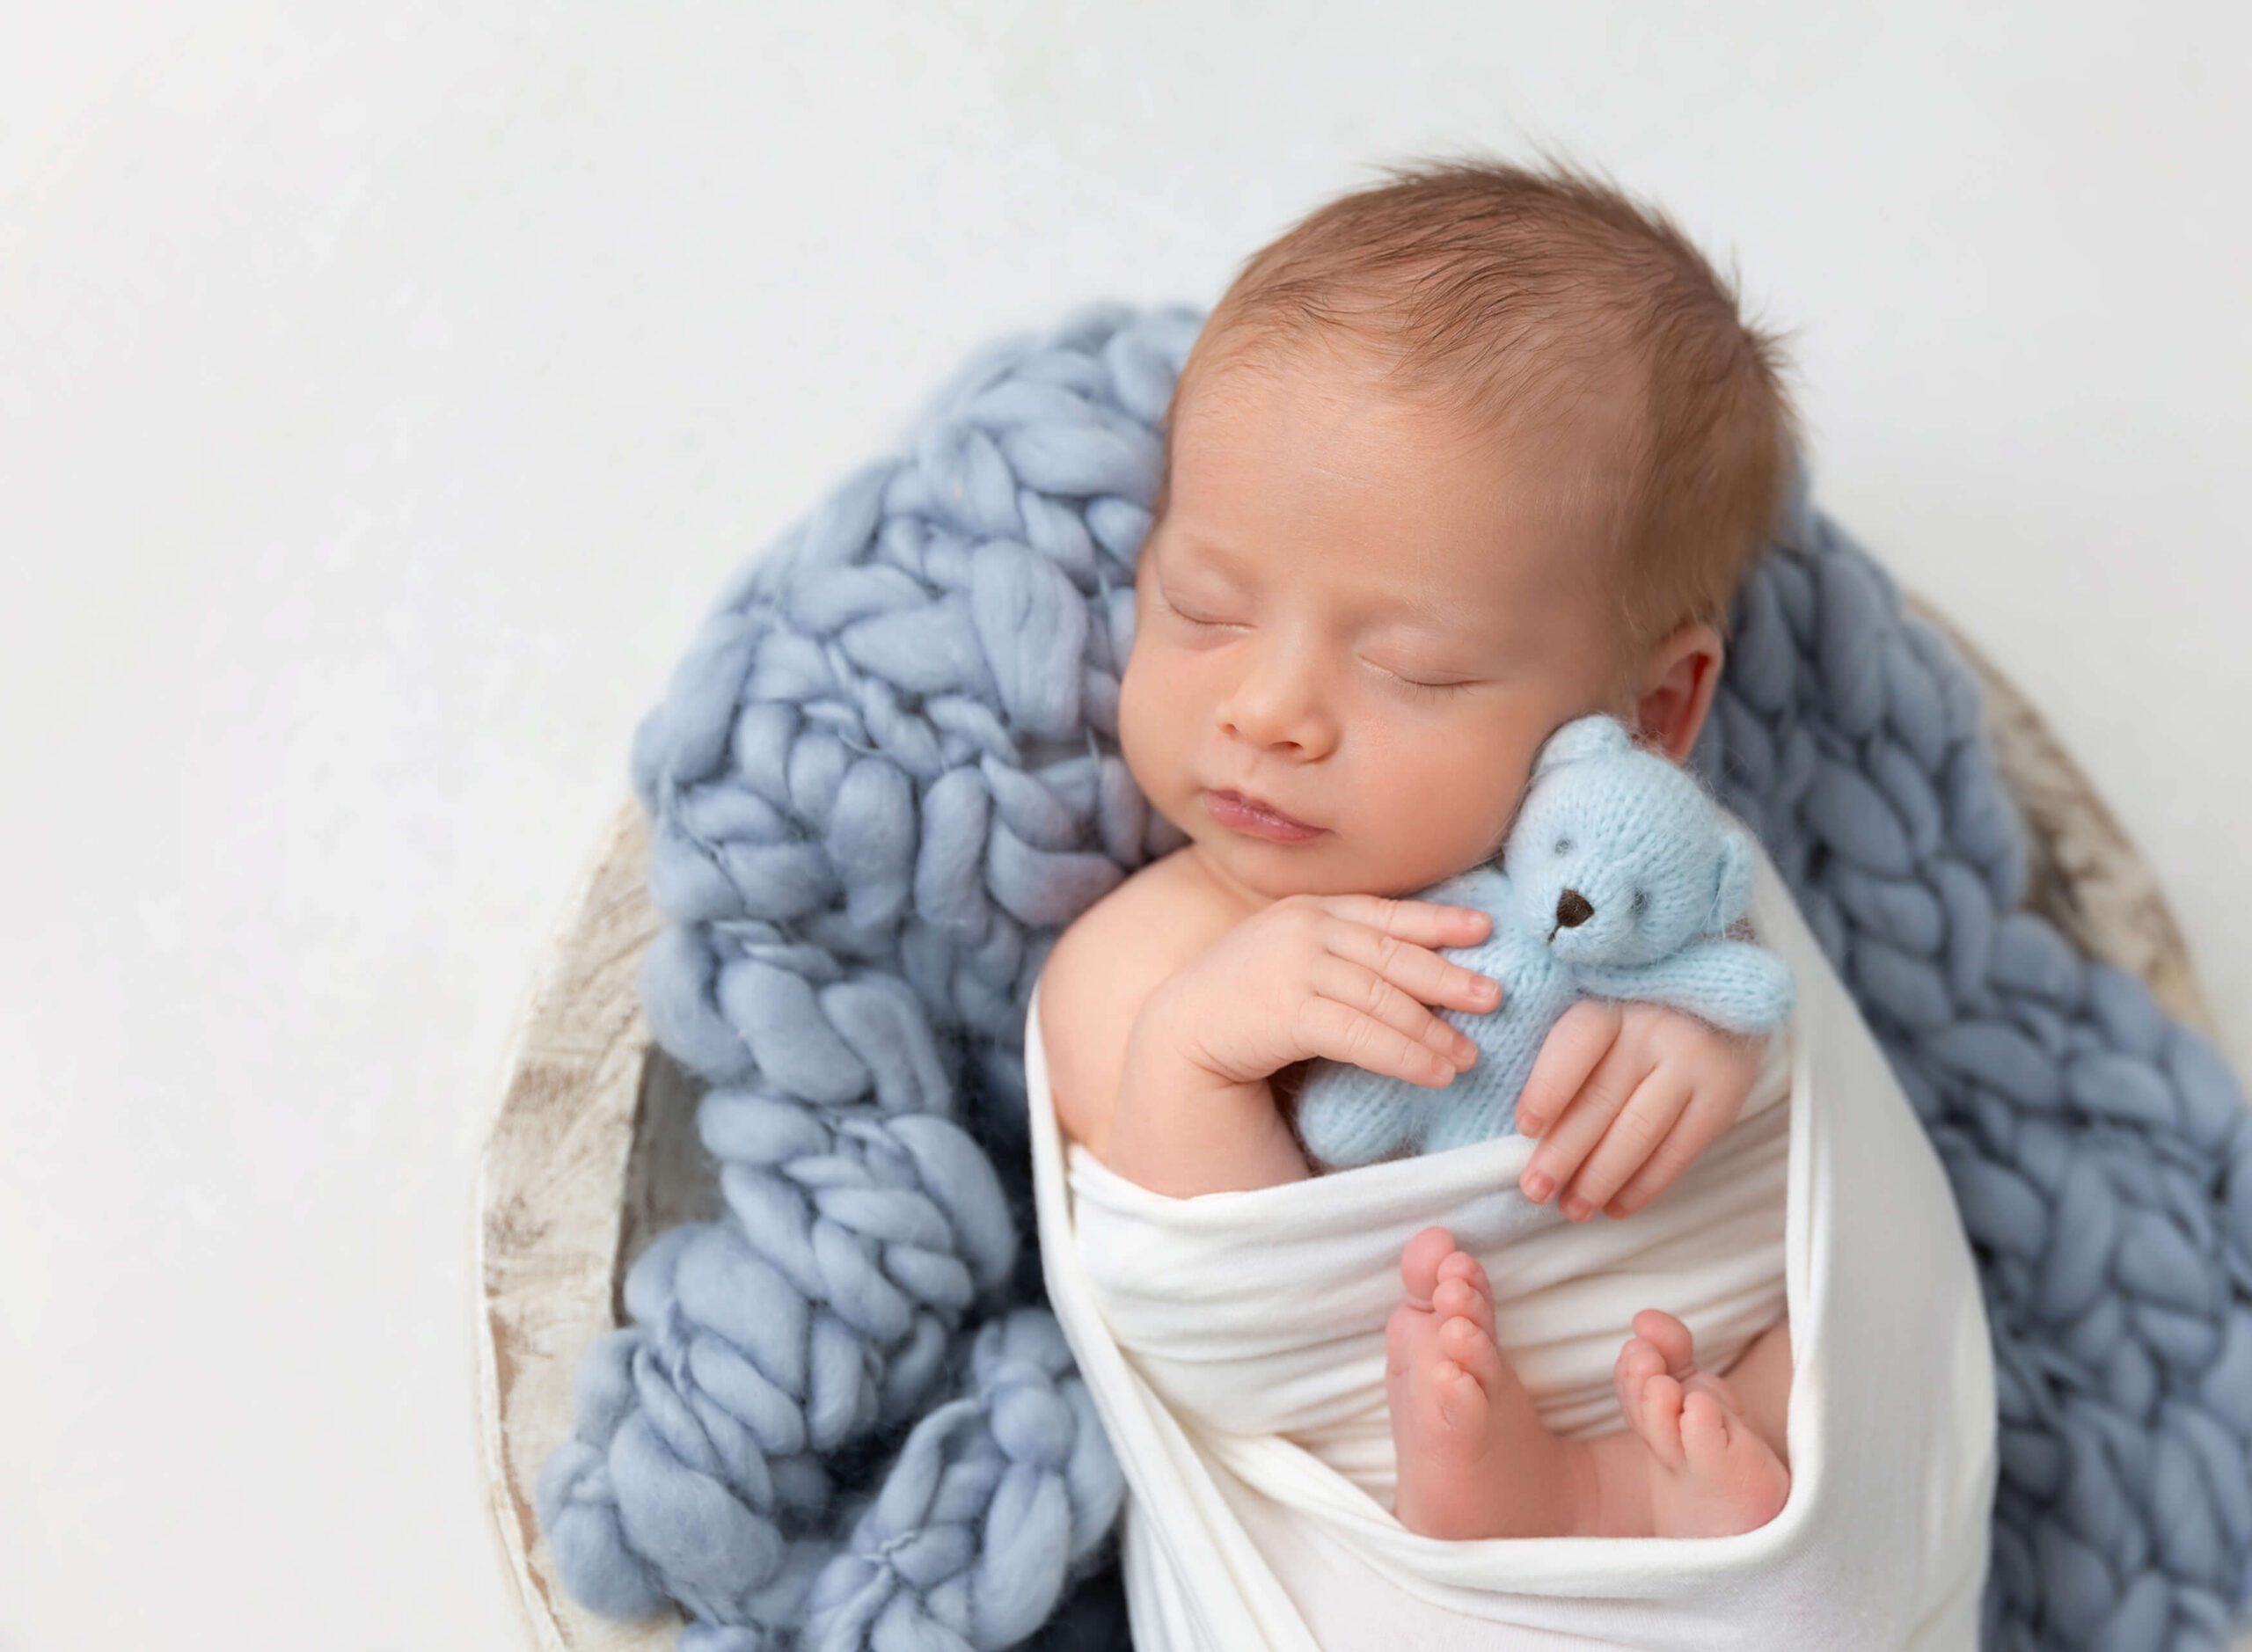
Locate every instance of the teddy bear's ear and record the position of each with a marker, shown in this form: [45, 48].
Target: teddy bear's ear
[1732, 885]
[1588, 736]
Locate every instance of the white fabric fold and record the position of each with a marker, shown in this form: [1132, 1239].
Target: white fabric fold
[1233, 1344]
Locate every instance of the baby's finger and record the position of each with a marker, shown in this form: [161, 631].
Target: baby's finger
[1646, 1121]
[1699, 1126]
[1582, 1037]
[1584, 1122]
[1426, 923]
[1357, 987]
[1331, 1029]
[1416, 970]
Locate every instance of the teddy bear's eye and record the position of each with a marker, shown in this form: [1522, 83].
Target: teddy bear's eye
[1563, 846]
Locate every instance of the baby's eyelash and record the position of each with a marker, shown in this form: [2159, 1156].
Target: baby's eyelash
[1414, 687]
[1433, 691]
[1178, 613]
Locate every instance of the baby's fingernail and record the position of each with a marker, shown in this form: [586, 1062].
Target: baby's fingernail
[1538, 1187]
[1576, 1209]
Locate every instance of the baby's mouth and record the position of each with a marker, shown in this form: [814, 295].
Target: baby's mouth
[1256, 817]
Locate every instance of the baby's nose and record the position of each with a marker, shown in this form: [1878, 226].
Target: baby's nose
[1572, 910]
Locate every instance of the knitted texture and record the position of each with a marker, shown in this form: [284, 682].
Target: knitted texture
[887, 773]
[1617, 877]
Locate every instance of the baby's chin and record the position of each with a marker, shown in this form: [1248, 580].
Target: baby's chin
[1272, 869]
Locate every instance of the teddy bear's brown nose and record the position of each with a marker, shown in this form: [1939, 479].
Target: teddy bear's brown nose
[1572, 910]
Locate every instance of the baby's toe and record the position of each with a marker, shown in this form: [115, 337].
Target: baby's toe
[1456, 1298]
[1459, 1399]
[1419, 1264]
[1657, 1418]
[1712, 1383]
[1671, 1338]
[1638, 1362]
[1463, 1265]
[1704, 1431]
[1471, 1346]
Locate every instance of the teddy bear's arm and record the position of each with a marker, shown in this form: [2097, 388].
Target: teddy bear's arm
[1736, 986]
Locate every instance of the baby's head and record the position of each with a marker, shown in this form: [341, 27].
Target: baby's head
[1457, 459]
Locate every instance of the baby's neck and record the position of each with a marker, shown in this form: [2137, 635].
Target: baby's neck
[1238, 899]
[1230, 895]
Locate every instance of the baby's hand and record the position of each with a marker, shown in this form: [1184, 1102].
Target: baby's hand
[1344, 976]
[1648, 1088]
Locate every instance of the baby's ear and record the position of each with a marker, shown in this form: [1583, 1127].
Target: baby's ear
[1732, 884]
[1589, 736]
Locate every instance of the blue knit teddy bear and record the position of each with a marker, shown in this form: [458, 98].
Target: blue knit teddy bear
[1616, 881]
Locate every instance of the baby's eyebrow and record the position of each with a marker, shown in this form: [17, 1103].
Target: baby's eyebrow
[1212, 551]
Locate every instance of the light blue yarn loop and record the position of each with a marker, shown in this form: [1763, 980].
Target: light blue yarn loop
[886, 772]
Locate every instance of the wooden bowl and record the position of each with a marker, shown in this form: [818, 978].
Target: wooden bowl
[593, 1150]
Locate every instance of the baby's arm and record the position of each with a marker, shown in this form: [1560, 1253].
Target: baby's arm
[1181, 1129]
[1156, 1119]
[1186, 1107]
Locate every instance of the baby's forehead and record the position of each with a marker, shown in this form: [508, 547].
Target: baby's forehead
[1446, 502]
[1548, 453]
[1573, 369]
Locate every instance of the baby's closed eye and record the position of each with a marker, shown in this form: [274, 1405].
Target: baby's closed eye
[1434, 686]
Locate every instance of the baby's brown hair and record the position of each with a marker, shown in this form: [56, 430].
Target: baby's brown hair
[1507, 295]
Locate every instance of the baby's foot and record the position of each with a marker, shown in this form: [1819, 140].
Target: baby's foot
[1712, 1476]
[1474, 1460]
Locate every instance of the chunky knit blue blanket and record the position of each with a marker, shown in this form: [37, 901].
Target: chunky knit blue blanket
[886, 774]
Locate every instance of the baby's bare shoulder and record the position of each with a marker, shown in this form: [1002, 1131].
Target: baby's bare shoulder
[1100, 973]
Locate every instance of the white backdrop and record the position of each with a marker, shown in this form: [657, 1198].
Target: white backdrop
[385, 390]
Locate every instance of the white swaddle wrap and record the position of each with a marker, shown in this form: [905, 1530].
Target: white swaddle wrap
[1233, 1344]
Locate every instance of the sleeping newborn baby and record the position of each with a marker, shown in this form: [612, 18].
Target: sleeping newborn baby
[1456, 460]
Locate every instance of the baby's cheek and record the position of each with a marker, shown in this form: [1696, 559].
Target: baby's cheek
[1144, 744]
[1467, 809]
